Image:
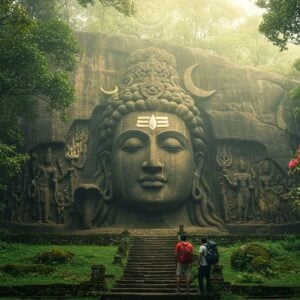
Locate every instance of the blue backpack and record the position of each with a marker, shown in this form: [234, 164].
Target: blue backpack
[212, 256]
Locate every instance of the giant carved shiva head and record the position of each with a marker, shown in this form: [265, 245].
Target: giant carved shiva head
[151, 144]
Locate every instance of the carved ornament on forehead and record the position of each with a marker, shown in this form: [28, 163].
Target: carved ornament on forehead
[152, 122]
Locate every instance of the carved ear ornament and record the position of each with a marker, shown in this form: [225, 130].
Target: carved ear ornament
[108, 192]
[196, 190]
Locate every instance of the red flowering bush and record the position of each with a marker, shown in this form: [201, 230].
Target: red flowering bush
[294, 170]
[294, 164]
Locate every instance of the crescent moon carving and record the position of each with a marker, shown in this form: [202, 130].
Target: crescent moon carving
[191, 87]
[115, 90]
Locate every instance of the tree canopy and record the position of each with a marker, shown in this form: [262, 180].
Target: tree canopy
[36, 59]
[281, 22]
[125, 7]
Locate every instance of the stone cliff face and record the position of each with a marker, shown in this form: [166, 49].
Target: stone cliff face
[248, 105]
[247, 118]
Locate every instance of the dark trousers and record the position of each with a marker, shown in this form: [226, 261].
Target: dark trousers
[204, 272]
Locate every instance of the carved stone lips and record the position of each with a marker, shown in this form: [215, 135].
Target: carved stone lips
[152, 181]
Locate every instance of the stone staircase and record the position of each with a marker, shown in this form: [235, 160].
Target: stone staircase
[150, 267]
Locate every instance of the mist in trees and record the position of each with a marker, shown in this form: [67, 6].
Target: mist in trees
[38, 47]
[222, 27]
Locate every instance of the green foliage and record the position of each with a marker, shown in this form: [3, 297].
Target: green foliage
[126, 7]
[76, 270]
[35, 64]
[281, 21]
[285, 264]
[42, 9]
[242, 258]
[219, 26]
[290, 243]
[54, 256]
[11, 163]
[295, 101]
[22, 269]
[260, 264]
[251, 278]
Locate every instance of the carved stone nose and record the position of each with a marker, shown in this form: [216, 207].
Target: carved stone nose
[152, 164]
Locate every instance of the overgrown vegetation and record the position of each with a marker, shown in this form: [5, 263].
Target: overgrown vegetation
[265, 262]
[37, 56]
[68, 264]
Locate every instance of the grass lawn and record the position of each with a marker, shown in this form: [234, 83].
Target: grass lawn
[77, 270]
[285, 263]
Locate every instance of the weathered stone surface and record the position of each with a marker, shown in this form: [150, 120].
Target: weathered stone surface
[246, 117]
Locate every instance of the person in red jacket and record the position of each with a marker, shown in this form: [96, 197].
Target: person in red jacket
[184, 259]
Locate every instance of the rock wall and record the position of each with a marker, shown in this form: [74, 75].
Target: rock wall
[247, 118]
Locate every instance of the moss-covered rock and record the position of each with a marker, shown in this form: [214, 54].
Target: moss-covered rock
[260, 264]
[54, 256]
[242, 259]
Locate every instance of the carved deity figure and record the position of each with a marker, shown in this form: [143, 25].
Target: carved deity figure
[241, 181]
[46, 187]
[147, 152]
[14, 203]
[268, 199]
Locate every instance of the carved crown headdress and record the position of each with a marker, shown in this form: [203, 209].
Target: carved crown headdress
[151, 84]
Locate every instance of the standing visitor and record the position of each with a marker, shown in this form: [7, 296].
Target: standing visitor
[184, 259]
[204, 268]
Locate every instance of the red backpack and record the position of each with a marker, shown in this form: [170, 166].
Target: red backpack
[185, 253]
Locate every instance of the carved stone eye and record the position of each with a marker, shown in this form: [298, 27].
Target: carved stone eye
[172, 145]
[132, 145]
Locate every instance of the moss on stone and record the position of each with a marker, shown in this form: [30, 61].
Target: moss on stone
[54, 256]
[242, 258]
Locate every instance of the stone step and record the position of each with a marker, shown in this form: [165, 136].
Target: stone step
[156, 296]
[151, 258]
[151, 261]
[148, 290]
[145, 273]
[152, 245]
[157, 286]
[151, 252]
[156, 245]
[151, 238]
[147, 281]
[171, 277]
[154, 263]
[152, 269]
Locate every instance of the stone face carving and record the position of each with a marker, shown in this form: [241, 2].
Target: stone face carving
[151, 149]
[244, 117]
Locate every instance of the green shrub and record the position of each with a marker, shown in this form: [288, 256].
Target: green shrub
[286, 265]
[251, 278]
[260, 264]
[242, 258]
[290, 242]
[276, 250]
[54, 256]
[21, 269]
